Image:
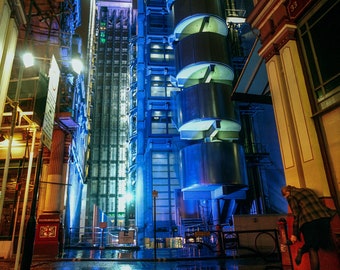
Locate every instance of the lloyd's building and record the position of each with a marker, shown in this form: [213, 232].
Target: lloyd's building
[186, 125]
[168, 65]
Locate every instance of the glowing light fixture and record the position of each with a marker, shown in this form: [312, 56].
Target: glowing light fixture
[28, 59]
[236, 20]
[77, 65]
[235, 16]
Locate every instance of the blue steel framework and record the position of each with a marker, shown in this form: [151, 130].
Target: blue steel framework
[185, 134]
[176, 145]
[154, 158]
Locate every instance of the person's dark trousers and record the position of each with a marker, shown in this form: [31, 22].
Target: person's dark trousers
[314, 259]
[316, 235]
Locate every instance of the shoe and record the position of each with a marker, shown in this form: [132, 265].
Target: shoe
[298, 257]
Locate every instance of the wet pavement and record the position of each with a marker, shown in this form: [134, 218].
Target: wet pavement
[179, 259]
[189, 264]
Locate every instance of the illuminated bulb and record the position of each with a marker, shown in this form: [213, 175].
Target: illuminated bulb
[77, 65]
[28, 59]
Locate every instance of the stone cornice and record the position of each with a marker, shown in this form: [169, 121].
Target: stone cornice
[276, 21]
[263, 12]
[281, 37]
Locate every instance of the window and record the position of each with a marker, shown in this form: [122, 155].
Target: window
[165, 182]
[161, 53]
[320, 43]
[161, 123]
[161, 86]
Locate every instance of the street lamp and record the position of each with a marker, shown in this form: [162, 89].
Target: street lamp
[27, 253]
[154, 196]
[28, 59]
[77, 65]
[23, 213]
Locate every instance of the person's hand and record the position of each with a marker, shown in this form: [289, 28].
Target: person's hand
[293, 238]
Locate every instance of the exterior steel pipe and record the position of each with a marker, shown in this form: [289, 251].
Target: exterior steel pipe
[203, 58]
[203, 107]
[210, 166]
[193, 16]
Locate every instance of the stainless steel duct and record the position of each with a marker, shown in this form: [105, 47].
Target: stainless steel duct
[203, 58]
[205, 110]
[213, 170]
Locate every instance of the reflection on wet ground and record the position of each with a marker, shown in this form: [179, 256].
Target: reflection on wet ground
[181, 259]
[177, 259]
[150, 265]
[142, 254]
[129, 260]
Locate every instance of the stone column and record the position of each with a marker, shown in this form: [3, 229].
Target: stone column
[301, 154]
[47, 238]
[55, 181]
[311, 161]
[284, 122]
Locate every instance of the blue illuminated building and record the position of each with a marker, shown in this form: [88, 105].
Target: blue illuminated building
[73, 116]
[162, 119]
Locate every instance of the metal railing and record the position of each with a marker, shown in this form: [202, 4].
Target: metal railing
[262, 243]
[88, 237]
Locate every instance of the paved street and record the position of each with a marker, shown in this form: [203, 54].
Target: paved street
[209, 264]
[86, 259]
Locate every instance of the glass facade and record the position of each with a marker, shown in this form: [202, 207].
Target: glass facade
[108, 152]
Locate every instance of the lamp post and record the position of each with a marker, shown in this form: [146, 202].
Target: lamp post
[23, 213]
[154, 196]
[27, 253]
[28, 249]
